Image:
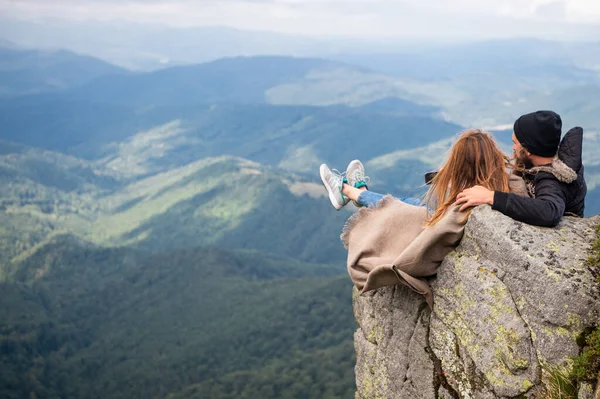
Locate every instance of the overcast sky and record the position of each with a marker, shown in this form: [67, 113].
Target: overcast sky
[355, 18]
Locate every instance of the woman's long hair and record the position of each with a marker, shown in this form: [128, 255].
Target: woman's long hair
[474, 160]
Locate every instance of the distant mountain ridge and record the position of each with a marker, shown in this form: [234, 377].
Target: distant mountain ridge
[498, 56]
[239, 79]
[24, 72]
[151, 47]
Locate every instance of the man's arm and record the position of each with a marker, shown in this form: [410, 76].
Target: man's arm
[546, 209]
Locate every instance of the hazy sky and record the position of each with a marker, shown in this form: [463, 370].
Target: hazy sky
[357, 18]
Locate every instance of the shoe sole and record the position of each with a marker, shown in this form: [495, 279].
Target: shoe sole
[332, 198]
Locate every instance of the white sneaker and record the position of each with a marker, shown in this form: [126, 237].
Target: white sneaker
[333, 182]
[355, 173]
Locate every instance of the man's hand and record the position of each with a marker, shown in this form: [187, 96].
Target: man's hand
[474, 196]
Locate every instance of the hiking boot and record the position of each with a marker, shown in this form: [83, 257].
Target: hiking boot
[355, 173]
[333, 181]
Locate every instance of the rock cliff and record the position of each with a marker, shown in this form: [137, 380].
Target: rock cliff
[510, 302]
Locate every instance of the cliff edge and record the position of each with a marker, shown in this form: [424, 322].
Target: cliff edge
[511, 304]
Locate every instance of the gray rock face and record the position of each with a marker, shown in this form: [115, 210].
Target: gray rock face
[585, 392]
[511, 299]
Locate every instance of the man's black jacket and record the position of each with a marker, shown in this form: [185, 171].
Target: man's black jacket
[558, 189]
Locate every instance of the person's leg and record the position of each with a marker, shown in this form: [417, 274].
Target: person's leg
[354, 187]
[369, 198]
[364, 197]
[412, 201]
[361, 195]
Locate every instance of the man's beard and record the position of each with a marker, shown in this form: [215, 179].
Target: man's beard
[522, 160]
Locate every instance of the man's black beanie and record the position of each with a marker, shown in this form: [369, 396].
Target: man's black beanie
[539, 132]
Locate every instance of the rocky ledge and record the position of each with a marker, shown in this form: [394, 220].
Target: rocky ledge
[511, 303]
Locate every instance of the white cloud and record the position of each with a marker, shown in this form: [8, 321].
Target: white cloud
[556, 10]
[358, 18]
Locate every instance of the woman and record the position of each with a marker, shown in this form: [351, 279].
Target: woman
[390, 240]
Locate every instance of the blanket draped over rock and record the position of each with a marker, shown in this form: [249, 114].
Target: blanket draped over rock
[388, 244]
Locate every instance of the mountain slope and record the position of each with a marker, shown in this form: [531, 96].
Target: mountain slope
[126, 325]
[254, 80]
[240, 80]
[43, 193]
[481, 84]
[227, 202]
[294, 137]
[78, 128]
[33, 71]
[578, 105]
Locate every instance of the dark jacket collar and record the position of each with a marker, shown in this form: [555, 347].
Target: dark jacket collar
[568, 161]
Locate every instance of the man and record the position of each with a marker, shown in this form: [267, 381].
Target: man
[552, 170]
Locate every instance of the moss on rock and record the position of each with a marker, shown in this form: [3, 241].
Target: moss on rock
[586, 367]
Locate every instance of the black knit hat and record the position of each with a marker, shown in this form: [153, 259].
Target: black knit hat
[539, 132]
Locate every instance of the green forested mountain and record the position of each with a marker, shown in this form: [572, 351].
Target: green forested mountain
[400, 106]
[43, 193]
[227, 202]
[49, 122]
[33, 71]
[265, 133]
[81, 321]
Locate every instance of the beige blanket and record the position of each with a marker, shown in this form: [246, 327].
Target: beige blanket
[388, 244]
